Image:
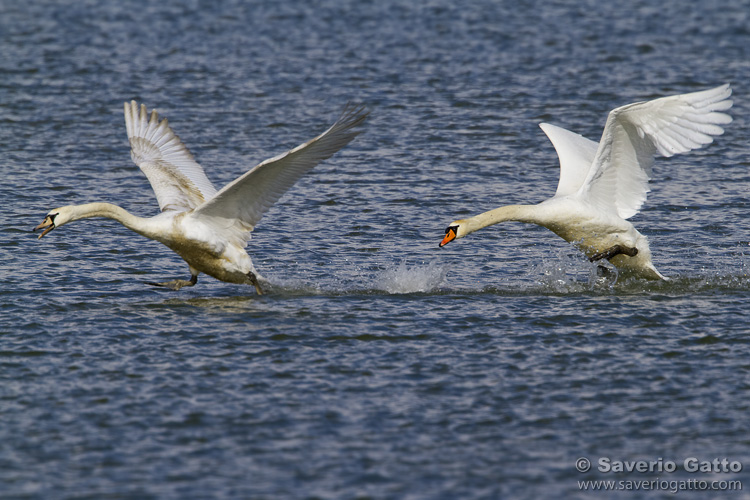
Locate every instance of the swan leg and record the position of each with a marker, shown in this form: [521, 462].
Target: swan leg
[176, 284]
[254, 281]
[613, 251]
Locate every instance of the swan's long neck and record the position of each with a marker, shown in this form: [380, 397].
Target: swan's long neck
[110, 211]
[520, 213]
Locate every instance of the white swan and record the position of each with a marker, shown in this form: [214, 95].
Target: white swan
[209, 229]
[601, 185]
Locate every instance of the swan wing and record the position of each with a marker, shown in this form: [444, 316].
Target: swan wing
[634, 134]
[178, 181]
[576, 154]
[242, 202]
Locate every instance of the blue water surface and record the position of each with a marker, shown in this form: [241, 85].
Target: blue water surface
[379, 366]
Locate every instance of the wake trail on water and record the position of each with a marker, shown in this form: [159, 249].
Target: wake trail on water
[400, 278]
[562, 272]
[568, 274]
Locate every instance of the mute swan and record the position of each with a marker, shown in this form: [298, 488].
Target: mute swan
[601, 185]
[209, 229]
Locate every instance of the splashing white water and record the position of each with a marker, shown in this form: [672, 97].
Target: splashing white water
[566, 272]
[406, 279]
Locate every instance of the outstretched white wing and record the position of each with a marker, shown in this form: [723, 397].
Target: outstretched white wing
[633, 134]
[177, 179]
[576, 154]
[243, 201]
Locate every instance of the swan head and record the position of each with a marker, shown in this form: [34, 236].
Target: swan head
[457, 229]
[55, 218]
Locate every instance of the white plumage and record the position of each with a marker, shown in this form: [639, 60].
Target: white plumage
[209, 229]
[618, 177]
[603, 184]
[179, 182]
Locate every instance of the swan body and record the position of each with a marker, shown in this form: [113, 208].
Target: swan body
[603, 184]
[208, 228]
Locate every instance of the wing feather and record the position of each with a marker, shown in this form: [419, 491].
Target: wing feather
[178, 181]
[576, 154]
[634, 134]
[243, 201]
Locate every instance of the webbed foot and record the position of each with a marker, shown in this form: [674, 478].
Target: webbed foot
[614, 251]
[254, 281]
[175, 284]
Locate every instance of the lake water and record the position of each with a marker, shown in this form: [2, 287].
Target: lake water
[379, 366]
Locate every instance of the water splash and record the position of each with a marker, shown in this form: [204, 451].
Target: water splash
[561, 272]
[348, 278]
[564, 272]
[414, 279]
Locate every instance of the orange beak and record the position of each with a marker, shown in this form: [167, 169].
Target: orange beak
[47, 225]
[450, 235]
